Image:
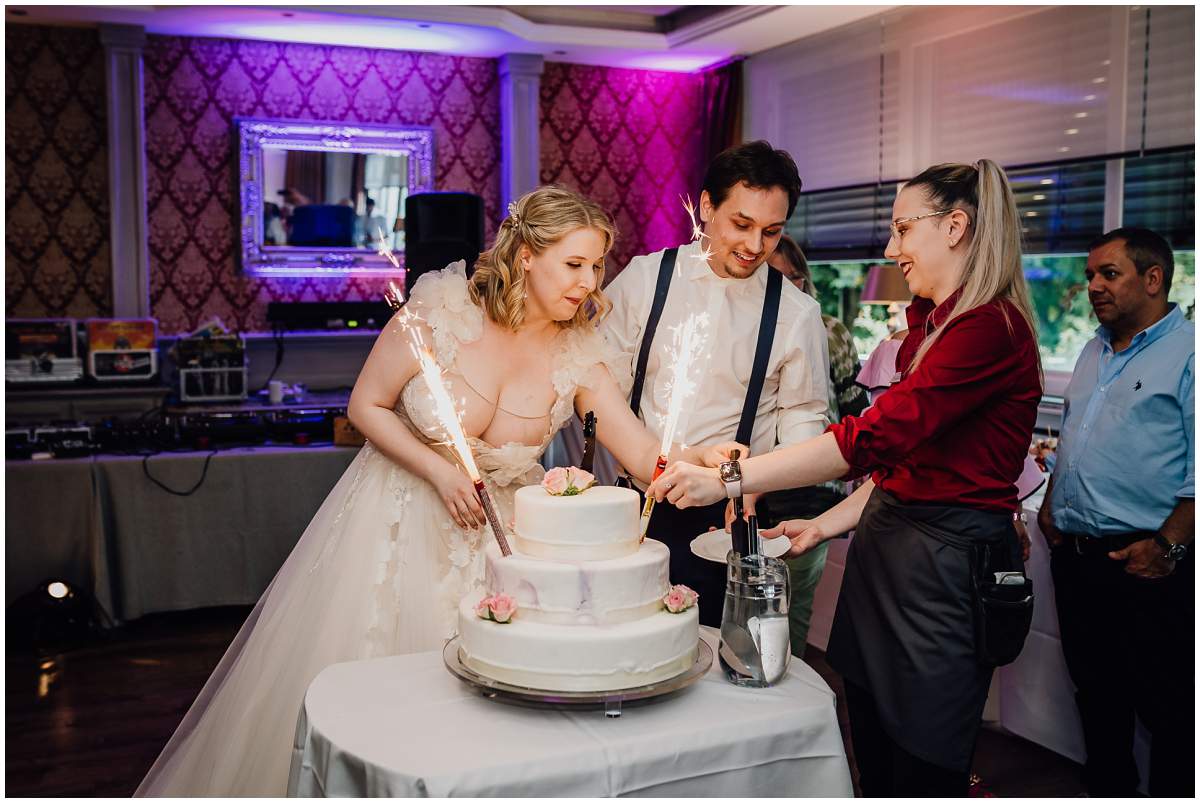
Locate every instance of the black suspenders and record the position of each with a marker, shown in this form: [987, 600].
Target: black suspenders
[762, 352]
[665, 269]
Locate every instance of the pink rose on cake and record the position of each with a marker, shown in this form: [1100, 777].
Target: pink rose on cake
[567, 481]
[499, 608]
[679, 598]
[556, 481]
[502, 607]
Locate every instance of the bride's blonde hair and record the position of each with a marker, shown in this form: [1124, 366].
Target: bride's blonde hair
[539, 219]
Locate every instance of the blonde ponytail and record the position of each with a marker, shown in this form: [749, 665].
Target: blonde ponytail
[992, 268]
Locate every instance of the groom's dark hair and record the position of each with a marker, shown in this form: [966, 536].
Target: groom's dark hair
[756, 164]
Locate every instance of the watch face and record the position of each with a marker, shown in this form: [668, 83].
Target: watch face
[730, 472]
[1177, 551]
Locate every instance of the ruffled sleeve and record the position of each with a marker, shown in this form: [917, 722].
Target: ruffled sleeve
[441, 300]
[579, 352]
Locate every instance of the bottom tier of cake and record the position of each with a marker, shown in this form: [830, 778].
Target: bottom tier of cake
[559, 657]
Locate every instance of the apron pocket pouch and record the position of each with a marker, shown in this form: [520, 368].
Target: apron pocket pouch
[1003, 614]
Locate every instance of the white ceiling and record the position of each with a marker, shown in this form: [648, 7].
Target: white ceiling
[618, 36]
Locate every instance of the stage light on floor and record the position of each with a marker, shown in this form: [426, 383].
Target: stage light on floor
[54, 616]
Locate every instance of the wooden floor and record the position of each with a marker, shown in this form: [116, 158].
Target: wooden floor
[90, 721]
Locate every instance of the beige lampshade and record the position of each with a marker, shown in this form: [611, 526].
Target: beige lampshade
[885, 285]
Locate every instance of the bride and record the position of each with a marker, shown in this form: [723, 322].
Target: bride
[382, 566]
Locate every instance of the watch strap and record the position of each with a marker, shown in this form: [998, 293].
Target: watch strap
[1174, 551]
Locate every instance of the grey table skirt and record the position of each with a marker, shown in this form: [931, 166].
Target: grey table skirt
[105, 526]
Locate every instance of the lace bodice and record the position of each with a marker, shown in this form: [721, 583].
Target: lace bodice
[441, 300]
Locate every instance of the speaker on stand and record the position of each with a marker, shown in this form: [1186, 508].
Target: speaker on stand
[440, 228]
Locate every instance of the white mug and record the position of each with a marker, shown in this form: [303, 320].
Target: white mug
[275, 391]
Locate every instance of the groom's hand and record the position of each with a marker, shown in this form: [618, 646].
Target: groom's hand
[748, 510]
[714, 456]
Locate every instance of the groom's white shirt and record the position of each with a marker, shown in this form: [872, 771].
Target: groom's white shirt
[794, 400]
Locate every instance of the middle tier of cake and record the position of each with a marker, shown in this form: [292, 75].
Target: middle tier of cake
[582, 592]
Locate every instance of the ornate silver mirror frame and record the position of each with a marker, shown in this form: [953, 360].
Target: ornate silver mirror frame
[253, 135]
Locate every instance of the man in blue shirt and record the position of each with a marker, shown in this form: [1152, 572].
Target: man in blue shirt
[1120, 516]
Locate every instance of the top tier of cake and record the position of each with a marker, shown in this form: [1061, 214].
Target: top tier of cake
[599, 524]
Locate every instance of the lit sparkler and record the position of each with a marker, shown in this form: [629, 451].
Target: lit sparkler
[447, 415]
[699, 236]
[688, 343]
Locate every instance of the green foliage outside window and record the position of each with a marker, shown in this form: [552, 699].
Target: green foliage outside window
[1057, 289]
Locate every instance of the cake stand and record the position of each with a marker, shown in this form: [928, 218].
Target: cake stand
[611, 702]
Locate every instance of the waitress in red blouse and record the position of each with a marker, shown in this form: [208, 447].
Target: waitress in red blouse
[943, 449]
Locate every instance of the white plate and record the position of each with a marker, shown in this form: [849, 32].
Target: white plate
[714, 545]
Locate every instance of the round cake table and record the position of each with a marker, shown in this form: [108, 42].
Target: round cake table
[405, 727]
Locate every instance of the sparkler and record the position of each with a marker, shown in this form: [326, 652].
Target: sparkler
[689, 341]
[447, 415]
[699, 236]
[385, 250]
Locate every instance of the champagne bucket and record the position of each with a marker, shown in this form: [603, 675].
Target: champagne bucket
[755, 644]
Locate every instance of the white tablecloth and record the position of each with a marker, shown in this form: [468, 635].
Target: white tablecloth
[100, 523]
[405, 727]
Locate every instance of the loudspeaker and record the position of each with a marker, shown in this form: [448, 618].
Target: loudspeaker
[440, 228]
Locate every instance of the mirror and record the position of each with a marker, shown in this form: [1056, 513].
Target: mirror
[320, 198]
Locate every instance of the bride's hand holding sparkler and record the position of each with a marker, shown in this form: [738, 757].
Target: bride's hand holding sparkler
[458, 495]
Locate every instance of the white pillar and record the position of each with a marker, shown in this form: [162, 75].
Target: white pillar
[520, 105]
[125, 107]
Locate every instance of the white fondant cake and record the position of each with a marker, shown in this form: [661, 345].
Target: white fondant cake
[590, 615]
[601, 522]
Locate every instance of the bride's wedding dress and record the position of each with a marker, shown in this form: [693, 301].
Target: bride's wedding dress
[379, 571]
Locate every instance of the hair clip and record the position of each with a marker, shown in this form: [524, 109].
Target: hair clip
[512, 213]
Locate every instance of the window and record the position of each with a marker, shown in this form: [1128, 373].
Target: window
[1160, 194]
[1057, 290]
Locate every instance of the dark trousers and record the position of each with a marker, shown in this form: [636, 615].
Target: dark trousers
[677, 528]
[1129, 647]
[884, 768]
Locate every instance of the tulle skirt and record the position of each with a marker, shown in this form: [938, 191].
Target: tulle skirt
[379, 571]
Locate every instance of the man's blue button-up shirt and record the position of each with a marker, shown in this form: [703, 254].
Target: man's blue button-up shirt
[1126, 452]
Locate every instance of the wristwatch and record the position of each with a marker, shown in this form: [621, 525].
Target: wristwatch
[731, 475]
[1174, 551]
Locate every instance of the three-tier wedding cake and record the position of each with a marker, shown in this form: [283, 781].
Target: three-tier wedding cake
[580, 605]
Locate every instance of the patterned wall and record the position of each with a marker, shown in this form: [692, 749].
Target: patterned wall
[630, 140]
[55, 174]
[195, 86]
[627, 138]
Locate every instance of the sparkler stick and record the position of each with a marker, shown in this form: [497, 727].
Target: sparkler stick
[690, 342]
[690, 339]
[443, 407]
[447, 415]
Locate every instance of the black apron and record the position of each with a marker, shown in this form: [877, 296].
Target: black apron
[675, 527]
[905, 622]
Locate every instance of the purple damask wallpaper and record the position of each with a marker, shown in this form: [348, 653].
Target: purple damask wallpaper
[194, 88]
[630, 140]
[55, 174]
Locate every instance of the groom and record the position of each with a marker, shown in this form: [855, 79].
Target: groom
[766, 383]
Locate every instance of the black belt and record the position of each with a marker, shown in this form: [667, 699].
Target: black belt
[1102, 545]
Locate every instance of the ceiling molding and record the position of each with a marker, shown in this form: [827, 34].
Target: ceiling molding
[690, 37]
[714, 23]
